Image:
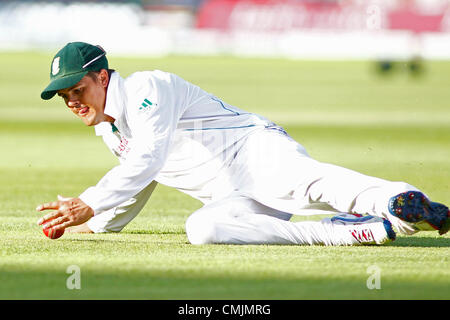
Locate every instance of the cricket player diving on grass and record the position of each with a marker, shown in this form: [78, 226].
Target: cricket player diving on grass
[250, 175]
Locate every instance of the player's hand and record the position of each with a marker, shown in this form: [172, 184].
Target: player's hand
[68, 212]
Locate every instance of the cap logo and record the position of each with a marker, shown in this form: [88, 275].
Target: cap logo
[55, 66]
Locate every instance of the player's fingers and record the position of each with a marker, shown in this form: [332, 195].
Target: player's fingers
[64, 225]
[50, 205]
[48, 217]
[55, 222]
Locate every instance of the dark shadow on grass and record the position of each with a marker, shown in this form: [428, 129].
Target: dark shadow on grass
[423, 242]
[163, 283]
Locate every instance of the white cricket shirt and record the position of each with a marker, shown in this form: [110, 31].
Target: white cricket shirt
[169, 130]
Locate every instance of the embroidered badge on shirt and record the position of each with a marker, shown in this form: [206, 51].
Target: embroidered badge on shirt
[121, 148]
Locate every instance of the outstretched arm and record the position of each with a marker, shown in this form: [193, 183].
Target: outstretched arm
[67, 213]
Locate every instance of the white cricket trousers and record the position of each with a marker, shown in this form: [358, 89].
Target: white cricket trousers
[271, 163]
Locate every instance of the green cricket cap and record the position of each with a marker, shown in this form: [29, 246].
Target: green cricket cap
[71, 64]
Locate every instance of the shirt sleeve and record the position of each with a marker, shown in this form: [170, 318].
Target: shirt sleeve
[153, 127]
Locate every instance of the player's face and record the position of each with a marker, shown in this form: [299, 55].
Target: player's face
[87, 98]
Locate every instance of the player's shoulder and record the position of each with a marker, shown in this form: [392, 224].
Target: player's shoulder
[142, 77]
[155, 81]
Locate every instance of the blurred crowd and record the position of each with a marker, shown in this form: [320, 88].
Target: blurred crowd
[294, 28]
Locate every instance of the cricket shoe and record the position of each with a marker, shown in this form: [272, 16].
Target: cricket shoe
[415, 207]
[365, 229]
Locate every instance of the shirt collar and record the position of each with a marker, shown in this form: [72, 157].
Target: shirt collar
[103, 128]
[114, 103]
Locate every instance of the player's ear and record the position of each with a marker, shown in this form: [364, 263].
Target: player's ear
[103, 77]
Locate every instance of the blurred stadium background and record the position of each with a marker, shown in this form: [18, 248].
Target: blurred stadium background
[310, 29]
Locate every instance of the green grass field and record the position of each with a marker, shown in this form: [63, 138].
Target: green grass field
[395, 127]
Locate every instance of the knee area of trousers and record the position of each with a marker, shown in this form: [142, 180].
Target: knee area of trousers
[200, 230]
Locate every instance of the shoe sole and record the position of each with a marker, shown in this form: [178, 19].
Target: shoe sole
[413, 206]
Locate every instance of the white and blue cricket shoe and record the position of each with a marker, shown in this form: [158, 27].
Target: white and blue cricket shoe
[366, 229]
[415, 207]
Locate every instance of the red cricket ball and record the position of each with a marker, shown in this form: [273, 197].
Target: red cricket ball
[53, 234]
